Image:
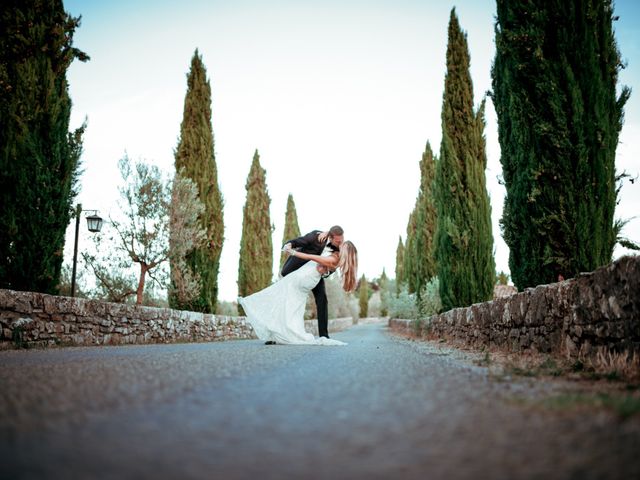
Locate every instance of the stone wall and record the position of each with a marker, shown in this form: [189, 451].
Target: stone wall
[597, 310]
[36, 319]
[335, 325]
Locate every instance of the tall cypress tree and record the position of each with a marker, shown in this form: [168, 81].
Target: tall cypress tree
[464, 241]
[256, 248]
[39, 157]
[426, 219]
[384, 294]
[291, 228]
[410, 256]
[419, 261]
[554, 88]
[195, 159]
[363, 297]
[399, 265]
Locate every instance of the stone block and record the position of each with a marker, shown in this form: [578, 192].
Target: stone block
[8, 299]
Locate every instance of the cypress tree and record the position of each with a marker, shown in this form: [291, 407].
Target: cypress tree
[419, 261]
[463, 240]
[195, 159]
[384, 293]
[399, 265]
[363, 297]
[39, 157]
[554, 88]
[291, 228]
[256, 249]
[411, 253]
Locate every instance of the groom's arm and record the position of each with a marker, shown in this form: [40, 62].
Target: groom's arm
[305, 241]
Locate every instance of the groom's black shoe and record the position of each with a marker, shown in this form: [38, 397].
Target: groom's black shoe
[269, 342]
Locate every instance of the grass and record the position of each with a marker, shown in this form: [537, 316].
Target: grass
[614, 367]
[484, 361]
[534, 367]
[608, 381]
[623, 404]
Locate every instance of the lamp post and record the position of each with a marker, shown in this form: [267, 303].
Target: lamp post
[94, 224]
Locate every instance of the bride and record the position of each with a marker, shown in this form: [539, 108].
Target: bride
[277, 312]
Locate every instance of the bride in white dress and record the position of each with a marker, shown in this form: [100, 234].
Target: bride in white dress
[277, 312]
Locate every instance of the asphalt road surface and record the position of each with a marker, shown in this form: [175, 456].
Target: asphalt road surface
[382, 407]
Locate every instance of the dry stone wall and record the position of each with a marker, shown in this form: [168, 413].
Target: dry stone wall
[36, 319]
[597, 310]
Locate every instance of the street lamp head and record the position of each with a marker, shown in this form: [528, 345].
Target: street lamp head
[94, 223]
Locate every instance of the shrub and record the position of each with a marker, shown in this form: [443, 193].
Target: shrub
[429, 302]
[403, 305]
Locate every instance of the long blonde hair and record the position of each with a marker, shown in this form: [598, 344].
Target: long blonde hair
[348, 265]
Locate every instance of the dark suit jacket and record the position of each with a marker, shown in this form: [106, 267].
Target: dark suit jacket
[308, 244]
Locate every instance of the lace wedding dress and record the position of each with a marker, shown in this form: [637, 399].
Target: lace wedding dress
[277, 312]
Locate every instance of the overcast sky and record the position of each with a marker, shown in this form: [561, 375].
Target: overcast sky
[339, 98]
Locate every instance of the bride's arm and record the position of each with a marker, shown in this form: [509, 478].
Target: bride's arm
[330, 262]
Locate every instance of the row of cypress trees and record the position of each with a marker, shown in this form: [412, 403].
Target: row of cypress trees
[554, 77]
[40, 162]
[559, 116]
[449, 231]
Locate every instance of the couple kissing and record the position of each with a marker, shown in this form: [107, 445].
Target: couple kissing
[277, 312]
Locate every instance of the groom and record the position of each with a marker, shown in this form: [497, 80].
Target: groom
[314, 243]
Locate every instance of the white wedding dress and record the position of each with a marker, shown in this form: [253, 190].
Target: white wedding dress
[277, 312]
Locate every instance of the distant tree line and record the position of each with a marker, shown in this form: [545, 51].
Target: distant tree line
[560, 112]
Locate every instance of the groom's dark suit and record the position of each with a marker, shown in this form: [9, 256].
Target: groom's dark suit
[310, 244]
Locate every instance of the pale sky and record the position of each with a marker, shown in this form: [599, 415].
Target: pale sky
[339, 98]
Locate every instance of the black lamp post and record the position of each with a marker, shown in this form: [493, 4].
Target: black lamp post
[94, 224]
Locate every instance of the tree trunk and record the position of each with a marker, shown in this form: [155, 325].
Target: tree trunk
[140, 291]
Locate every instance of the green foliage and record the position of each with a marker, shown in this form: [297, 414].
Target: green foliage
[363, 297]
[291, 228]
[403, 305]
[39, 157]
[341, 303]
[256, 247]
[64, 287]
[140, 238]
[555, 77]
[502, 278]
[196, 158]
[229, 309]
[409, 257]
[428, 302]
[111, 268]
[400, 280]
[624, 405]
[419, 262]
[463, 240]
[186, 234]
[384, 288]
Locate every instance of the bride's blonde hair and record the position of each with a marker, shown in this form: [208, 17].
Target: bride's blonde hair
[348, 265]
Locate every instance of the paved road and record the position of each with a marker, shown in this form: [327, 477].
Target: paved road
[382, 407]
